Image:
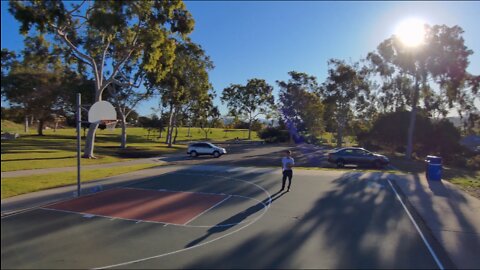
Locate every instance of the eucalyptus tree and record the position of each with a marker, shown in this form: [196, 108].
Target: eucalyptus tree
[187, 81]
[347, 91]
[37, 82]
[440, 62]
[105, 35]
[8, 58]
[206, 113]
[300, 105]
[125, 99]
[249, 101]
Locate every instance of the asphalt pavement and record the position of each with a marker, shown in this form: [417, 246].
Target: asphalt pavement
[330, 219]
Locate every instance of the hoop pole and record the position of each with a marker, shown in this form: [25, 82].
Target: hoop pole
[79, 142]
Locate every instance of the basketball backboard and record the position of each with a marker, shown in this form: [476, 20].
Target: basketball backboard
[101, 110]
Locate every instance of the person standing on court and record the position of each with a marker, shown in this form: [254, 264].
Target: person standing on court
[287, 164]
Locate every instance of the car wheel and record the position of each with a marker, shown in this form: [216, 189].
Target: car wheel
[378, 164]
[193, 154]
[340, 163]
[216, 154]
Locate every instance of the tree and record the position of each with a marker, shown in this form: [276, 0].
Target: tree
[38, 81]
[125, 99]
[392, 136]
[186, 83]
[300, 106]
[207, 114]
[249, 101]
[8, 58]
[105, 36]
[347, 92]
[442, 59]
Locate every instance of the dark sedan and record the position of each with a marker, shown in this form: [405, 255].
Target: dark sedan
[357, 156]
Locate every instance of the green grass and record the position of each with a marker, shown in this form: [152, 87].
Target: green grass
[466, 179]
[58, 149]
[467, 182]
[12, 127]
[13, 186]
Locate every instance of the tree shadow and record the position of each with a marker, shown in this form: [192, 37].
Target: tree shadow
[237, 218]
[357, 224]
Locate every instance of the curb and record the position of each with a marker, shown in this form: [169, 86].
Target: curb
[436, 246]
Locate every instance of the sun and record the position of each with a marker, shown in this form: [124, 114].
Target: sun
[411, 32]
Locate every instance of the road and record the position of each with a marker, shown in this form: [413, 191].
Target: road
[257, 155]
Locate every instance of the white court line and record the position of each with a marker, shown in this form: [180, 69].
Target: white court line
[33, 208]
[266, 207]
[430, 249]
[173, 191]
[213, 206]
[109, 217]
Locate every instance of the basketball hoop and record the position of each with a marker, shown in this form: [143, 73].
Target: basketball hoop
[109, 124]
[103, 113]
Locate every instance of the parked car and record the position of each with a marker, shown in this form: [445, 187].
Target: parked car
[205, 148]
[357, 156]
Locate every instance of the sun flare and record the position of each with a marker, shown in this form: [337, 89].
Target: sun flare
[411, 32]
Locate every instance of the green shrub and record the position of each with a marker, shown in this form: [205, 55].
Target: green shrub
[273, 135]
[473, 162]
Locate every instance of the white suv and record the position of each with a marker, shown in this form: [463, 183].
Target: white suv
[205, 148]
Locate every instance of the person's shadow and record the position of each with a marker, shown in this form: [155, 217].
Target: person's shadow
[237, 218]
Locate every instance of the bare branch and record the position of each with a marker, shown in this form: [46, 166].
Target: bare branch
[80, 25]
[121, 62]
[63, 35]
[77, 8]
[127, 56]
[103, 60]
[80, 16]
[117, 82]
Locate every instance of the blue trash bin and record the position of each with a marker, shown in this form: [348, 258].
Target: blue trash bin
[434, 168]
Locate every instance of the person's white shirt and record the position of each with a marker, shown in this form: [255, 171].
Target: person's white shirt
[286, 161]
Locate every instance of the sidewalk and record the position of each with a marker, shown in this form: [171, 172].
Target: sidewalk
[452, 216]
[155, 160]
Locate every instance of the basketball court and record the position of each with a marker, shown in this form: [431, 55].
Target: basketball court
[198, 218]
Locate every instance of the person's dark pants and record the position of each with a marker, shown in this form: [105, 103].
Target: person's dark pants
[287, 174]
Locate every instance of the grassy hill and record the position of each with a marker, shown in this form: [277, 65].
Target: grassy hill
[12, 127]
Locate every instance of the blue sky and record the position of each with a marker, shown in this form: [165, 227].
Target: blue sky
[270, 38]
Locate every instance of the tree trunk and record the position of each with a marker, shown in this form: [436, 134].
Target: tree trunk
[250, 129]
[188, 132]
[26, 123]
[341, 122]
[92, 129]
[169, 128]
[175, 115]
[123, 139]
[40, 127]
[55, 126]
[413, 117]
[339, 136]
[90, 141]
[176, 134]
